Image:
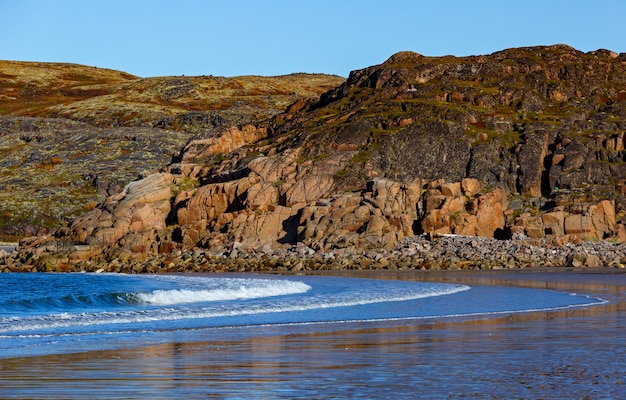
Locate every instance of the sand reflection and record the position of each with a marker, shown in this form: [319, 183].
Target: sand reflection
[567, 353]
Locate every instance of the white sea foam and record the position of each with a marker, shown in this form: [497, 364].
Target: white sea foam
[156, 305]
[256, 289]
[195, 298]
[237, 291]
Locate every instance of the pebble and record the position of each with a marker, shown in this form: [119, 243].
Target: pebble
[415, 252]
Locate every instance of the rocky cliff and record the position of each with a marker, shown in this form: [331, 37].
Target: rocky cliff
[71, 135]
[525, 143]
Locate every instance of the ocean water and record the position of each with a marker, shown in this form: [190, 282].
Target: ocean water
[179, 336]
[59, 313]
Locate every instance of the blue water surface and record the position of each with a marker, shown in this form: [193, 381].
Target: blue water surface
[44, 314]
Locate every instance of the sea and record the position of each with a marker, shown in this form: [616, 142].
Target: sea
[85, 335]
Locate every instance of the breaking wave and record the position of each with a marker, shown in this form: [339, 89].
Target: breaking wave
[248, 289]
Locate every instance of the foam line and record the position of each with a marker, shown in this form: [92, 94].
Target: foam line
[182, 296]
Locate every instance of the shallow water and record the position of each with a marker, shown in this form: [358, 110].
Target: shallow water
[315, 337]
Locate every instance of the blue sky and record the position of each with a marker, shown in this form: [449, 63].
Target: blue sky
[275, 37]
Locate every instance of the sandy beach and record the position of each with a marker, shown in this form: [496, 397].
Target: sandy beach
[574, 353]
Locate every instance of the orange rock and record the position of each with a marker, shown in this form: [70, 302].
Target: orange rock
[260, 196]
[143, 204]
[470, 186]
[252, 229]
[228, 140]
[490, 213]
[554, 217]
[534, 231]
[620, 233]
[406, 121]
[451, 189]
[435, 202]
[603, 218]
[455, 205]
[167, 247]
[557, 158]
[580, 225]
[436, 221]
[465, 224]
[309, 189]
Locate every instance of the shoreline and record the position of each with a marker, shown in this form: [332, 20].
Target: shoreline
[575, 343]
[610, 282]
[413, 253]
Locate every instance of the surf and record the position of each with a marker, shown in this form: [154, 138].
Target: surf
[64, 312]
[224, 289]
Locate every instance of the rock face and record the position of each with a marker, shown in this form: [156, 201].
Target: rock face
[71, 135]
[142, 205]
[54, 170]
[526, 143]
[227, 141]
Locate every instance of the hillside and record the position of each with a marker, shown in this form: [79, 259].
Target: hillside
[108, 98]
[525, 143]
[72, 134]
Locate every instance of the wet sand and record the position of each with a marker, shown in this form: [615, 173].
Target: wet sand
[574, 353]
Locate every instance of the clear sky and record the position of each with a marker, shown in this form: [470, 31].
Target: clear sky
[275, 37]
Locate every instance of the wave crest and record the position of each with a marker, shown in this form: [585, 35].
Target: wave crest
[239, 291]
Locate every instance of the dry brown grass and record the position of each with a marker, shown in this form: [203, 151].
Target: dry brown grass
[107, 97]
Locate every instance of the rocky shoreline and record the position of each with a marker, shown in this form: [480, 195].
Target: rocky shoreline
[450, 252]
[524, 146]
